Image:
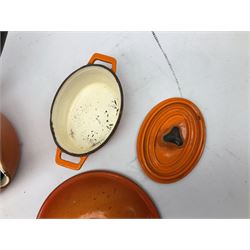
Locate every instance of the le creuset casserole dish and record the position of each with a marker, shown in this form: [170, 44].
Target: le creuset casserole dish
[98, 194]
[86, 110]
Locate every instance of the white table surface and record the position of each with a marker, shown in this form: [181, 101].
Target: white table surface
[212, 71]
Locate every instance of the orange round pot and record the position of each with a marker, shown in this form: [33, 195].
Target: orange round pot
[9, 152]
[98, 194]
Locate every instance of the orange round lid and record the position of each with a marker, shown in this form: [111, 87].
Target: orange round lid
[171, 140]
[98, 194]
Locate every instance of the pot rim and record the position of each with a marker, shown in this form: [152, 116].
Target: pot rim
[142, 193]
[116, 124]
[6, 176]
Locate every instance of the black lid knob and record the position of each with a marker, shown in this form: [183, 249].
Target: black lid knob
[174, 136]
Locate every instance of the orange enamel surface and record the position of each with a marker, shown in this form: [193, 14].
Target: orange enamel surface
[166, 162]
[98, 194]
[104, 58]
[68, 164]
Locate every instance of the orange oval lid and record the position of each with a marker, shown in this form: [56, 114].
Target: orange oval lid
[171, 140]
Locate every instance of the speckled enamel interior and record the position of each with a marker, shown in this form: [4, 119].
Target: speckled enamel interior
[86, 109]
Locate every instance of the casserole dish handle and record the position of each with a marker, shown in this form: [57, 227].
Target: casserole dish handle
[104, 58]
[68, 164]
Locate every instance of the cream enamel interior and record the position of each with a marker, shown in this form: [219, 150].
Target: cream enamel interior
[5, 180]
[86, 109]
